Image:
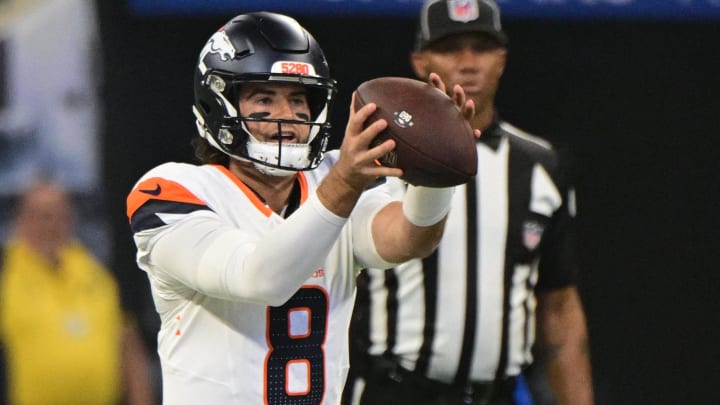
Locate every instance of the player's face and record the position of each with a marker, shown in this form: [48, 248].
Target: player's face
[276, 101]
[474, 61]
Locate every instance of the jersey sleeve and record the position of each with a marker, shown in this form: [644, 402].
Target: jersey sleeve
[372, 201]
[559, 263]
[181, 240]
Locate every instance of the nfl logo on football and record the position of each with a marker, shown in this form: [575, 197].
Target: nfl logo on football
[463, 10]
[403, 119]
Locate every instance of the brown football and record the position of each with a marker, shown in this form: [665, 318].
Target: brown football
[435, 145]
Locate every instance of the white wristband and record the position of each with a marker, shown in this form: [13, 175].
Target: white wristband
[425, 206]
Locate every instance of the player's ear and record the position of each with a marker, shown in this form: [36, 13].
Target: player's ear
[419, 65]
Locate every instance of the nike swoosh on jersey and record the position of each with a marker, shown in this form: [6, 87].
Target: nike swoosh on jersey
[145, 202]
[156, 191]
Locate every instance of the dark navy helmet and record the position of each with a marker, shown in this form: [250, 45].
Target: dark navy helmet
[262, 47]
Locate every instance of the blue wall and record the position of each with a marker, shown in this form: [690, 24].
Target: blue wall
[603, 9]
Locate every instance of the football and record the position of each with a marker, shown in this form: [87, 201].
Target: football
[435, 145]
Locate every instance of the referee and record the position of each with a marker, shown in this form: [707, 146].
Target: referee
[461, 326]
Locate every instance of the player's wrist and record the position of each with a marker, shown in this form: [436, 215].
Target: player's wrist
[425, 206]
[337, 194]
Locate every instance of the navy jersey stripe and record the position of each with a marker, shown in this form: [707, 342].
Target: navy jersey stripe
[146, 216]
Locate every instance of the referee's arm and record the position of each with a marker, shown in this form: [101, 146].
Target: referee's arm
[563, 344]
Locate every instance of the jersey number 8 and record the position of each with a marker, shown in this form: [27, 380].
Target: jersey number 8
[295, 365]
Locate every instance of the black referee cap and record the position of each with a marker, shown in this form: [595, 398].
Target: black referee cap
[440, 18]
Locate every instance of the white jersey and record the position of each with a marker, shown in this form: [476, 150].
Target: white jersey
[254, 307]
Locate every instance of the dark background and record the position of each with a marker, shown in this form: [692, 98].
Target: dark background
[635, 103]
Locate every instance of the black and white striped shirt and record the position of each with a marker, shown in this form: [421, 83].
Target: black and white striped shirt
[467, 313]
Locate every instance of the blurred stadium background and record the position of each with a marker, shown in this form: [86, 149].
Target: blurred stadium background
[626, 88]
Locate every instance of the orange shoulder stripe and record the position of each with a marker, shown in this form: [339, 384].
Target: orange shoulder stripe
[254, 199]
[157, 188]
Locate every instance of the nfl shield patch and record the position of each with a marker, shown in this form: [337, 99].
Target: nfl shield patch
[463, 10]
[532, 234]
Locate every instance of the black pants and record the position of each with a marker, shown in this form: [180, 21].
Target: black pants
[401, 387]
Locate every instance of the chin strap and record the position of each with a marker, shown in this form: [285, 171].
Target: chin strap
[271, 154]
[273, 171]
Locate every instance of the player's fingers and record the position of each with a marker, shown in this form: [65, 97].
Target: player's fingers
[366, 137]
[357, 118]
[352, 103]
[458, 97]
[468, 109]
[356, 145]
[382, 171]
[356, 121]
[435, 81]
[377, 154]
[360, 162]
[381, 150]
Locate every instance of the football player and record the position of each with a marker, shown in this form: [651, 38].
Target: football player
[252, 255]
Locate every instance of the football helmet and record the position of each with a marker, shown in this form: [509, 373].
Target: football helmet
[262, 47]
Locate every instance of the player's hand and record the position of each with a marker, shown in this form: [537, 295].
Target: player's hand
[357, 165]
[466, 106]
[358, 161]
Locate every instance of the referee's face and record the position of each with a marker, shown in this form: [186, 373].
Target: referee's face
[475, 61]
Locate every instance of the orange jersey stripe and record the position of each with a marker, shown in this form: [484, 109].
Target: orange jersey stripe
[157, 188]
[254, 199]
[257, 202]
[303, 187]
